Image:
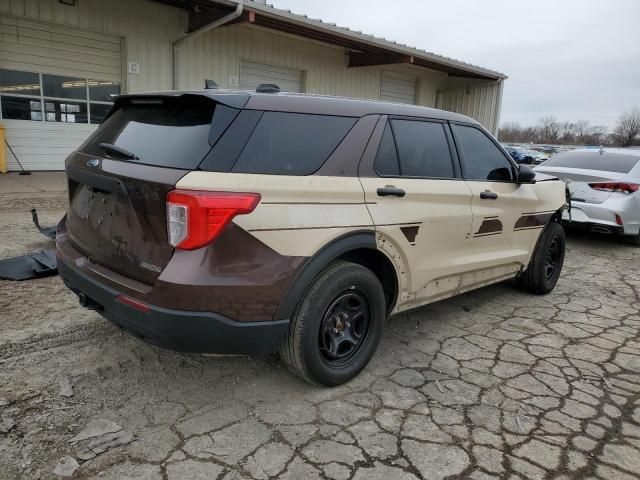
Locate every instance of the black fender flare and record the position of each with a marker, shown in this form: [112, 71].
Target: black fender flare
[316, 264]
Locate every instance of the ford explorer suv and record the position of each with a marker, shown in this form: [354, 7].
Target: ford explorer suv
[255, 223]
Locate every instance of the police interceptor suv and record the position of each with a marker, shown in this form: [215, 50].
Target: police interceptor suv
[248, 222]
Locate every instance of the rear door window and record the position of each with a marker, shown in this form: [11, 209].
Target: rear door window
[166, 131]
[483, 160]
[593, 160]
[414, 148]
[423, 149]
[291, 143]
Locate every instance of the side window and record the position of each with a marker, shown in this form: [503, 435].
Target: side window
[482, 159]
[386, 162]
[291, 143]
[423, 149]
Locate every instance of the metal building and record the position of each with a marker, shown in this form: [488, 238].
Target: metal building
[61, 59]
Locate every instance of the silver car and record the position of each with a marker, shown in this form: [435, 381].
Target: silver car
[604, 186]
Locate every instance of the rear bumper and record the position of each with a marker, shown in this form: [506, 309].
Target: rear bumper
[601, 217]
[181, 330]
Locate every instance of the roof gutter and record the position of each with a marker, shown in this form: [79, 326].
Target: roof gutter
[204, 29]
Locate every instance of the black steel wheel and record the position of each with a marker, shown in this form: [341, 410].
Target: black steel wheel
[344, 327]
[552, 259]
[545, 266]
[337, 326]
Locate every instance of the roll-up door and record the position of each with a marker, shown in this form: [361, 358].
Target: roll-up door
[55, 82]
[253, 74]
[398, 88]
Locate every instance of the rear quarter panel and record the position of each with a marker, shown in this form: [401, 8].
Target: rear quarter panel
[297, 215]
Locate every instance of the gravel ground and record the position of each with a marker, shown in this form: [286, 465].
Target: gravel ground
[492, 384]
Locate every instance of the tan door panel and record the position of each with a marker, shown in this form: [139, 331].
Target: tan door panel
[422, 224]
[494, 239]
[430, 229]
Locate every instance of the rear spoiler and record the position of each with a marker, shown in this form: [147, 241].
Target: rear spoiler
[230, 99]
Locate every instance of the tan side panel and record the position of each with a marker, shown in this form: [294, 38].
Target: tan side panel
[297, 215]
[551, 197]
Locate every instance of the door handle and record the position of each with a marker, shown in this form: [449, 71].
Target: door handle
[488, 195]
[390, 191]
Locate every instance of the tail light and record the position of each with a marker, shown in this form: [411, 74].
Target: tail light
[618, 187]
[196, 218]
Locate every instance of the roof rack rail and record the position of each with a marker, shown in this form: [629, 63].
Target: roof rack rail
[210, 84]
[268, 88]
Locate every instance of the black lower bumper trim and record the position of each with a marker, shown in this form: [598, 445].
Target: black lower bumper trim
[185, 331]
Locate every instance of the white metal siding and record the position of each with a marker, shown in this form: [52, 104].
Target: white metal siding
[43, 145]
[217, 55]
[481, 102]
[49, 48]
[92, 39]
[253, 74]
[148, 29]
[398, 88]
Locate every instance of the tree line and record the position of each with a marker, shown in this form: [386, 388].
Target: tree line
[550, 130]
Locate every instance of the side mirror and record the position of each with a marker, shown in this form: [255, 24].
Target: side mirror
[526, 175]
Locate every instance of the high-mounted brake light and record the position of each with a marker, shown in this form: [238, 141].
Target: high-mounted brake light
[618, 187]
[196, 218]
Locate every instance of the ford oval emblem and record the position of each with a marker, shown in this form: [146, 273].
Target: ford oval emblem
[94, 162]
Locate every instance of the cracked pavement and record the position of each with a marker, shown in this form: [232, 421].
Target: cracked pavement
[494, 384]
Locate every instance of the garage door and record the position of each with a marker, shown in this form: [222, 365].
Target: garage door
[55, 83]
[253, 74]
[398, 88]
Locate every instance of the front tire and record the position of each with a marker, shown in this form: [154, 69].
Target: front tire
[545, 266]
[337, 326]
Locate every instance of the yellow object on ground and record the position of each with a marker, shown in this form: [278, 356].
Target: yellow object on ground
[3, 151]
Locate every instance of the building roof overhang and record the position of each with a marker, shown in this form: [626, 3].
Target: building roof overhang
[364, 50]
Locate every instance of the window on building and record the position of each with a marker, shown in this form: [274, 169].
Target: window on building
[54, 98]
[483, 160]
[20, 95]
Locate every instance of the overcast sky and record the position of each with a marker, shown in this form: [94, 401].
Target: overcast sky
[575, 59]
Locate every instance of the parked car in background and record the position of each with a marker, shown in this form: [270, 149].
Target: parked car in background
[604, 186]
[519, 154]
[536, 156]
[222, 222]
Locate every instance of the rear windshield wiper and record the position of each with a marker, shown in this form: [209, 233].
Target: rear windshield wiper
[111, 149]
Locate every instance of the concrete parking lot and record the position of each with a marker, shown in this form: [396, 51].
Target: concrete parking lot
[492, 384]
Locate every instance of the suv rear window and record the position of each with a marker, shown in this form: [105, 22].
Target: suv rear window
[593, 160]
[291, 143]
[168, 132]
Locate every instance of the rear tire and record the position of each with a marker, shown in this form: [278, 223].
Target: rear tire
[337, 326]
[545, 266]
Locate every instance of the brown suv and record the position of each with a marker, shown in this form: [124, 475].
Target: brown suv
[236, 222]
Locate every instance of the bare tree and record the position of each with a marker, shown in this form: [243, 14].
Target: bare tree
[582, 126]
[549, 129]
[596, 135]
[567, 132]
[627, 131]
[510, 132]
